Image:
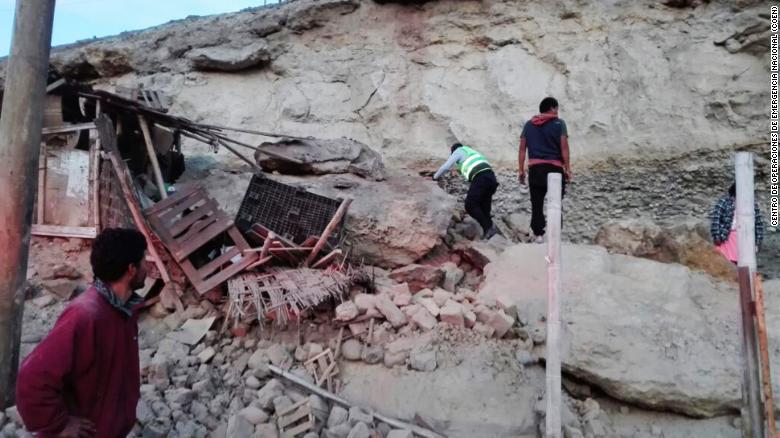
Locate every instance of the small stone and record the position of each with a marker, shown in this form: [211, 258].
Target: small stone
[429, 305]
[143, 413]
[469, 318]
[501, 323]
[281, 403]
[398, 433]
[418, 276]
[203, 386]
[346, 311]
[252, 382]
[423, 360]
[44, 300]
[266, 395]
[452, 276]
[484, 329]
[180, 396]
[351, 349]
[206, 355]
[656, 430]
[595, 428]
[257, 359]
[339, 431]
[13, 414]
[571, 432]
[390, 311]
[358, 415]
[452, 313]
[279, 356]
[624, 410]
[267, 430]
[364, 302]
[423, 319]
[338, 415]
[441, 296]
[254, 415]
[372, 355]
[539, 334]
[360, 430]
[525, 358]
[402, 299]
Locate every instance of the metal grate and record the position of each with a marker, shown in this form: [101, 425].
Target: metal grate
[114, 212]
[288, 211]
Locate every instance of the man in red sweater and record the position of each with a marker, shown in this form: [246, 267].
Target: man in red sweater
[83, 379]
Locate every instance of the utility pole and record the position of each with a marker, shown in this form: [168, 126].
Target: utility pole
[553, 359]
[20, 140]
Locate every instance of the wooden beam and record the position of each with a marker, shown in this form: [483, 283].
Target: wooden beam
[64, 231]
[553, 359]
[67, 128]
[42, 166]
[54, 85]
[751, 383]
[152, 157]
[752, 422]
[327, 259]
[763, 348]
[108, 141]
[334, 222]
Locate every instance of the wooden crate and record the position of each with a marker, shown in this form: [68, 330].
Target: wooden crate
[187, 221]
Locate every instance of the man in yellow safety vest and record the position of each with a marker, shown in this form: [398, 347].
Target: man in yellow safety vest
[477, 171]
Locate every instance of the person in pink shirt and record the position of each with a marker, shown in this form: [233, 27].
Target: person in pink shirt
[723, 227]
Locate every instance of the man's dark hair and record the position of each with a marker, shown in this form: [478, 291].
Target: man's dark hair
[547, 104]
[455, 146]
[114, 250]
[733, 190]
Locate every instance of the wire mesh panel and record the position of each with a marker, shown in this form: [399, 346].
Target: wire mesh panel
[114, 212]
[288, 211]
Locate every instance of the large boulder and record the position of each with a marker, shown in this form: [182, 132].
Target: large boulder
[654, 334]
[230, 59]
[686, 243]
[390, 223]
[321, 156]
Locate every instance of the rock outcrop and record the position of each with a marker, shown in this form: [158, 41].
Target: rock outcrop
[649, 333]
[686, 243]
[405, 78]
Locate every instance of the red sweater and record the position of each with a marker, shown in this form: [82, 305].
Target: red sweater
[86, 367]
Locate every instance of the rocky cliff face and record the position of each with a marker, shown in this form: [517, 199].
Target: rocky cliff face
[636, 78]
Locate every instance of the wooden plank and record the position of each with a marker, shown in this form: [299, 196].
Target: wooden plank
[310, 241]
[190, 202]
[196, 229]
[108, 141]
[54, 85]
[334, 222]
[181, 194]
[64, 231]
[94, 159]
[258, 263]
[186, 221]
[67, 128]
[751, 387]
[226, 273]
[553, 358]
[297, 430]
[293, 408]
[763, 348]
[152, 157]
[327, 259]
[207, 269]
[212, 231]
[42, 166]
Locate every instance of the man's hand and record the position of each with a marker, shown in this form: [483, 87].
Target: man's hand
[568, 175]
[521, 177]
[78, 428]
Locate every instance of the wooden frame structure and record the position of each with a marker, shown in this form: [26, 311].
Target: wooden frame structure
[40, 227]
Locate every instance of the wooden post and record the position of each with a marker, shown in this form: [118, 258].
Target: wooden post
[763, 348]
[752, 421]
[153, 157]
[42, 164]
[20, 141]
[334, 222]
[553, 360]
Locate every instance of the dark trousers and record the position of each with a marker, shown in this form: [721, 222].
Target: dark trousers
[479, 199]
[537, 185]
